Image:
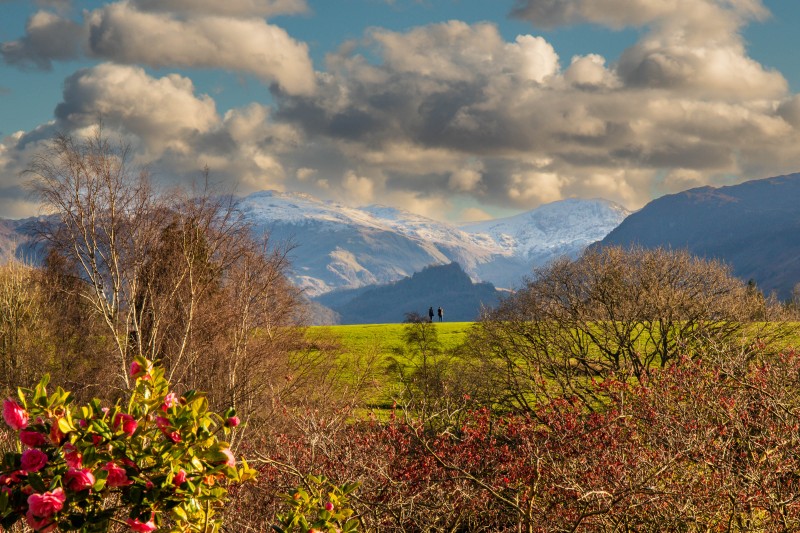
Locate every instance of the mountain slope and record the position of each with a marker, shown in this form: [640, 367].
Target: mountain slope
[551, 231]
[446, 286]
[342, 247]
[753, 226]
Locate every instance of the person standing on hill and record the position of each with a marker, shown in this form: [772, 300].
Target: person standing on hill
[430, 314]
[440, 312]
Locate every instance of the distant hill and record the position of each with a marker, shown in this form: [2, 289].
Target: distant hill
[753, 226]
[343, 247]
[447, 286]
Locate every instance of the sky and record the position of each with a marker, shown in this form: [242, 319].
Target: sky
[460, 110]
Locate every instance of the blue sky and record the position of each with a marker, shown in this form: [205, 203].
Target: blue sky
[455, 109]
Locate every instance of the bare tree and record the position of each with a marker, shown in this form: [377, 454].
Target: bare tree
[105, 220]
[174, 277]
[613, 312]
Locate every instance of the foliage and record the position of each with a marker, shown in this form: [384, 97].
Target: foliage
[156, 462]
[705, 445]
[614, 311]
[322, 507]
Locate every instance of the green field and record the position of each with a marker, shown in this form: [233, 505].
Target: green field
[361, 338]
[378, 340]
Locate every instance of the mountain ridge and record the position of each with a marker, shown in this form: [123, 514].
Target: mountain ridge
[345, 247]
[752, 226]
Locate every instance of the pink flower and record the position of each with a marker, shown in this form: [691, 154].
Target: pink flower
[143, 527]
[169, 401]
[163, 425]
[136, 369]
[128, 423]
[72, 456]
[329, 506]
[47, 504]
[117, 477]
[40, 525]
[78, 479]
[12, 478]
[232, 422]
[33, 460]
[15, 416]
[32, 439]
[179, 478]
[231, 460]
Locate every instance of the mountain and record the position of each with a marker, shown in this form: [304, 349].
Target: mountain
[551, 231]
[341, 247]
[446, 286]
[753, 226]
[18, 238]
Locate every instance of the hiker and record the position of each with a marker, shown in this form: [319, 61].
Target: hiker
[430, 314]
[440, 312]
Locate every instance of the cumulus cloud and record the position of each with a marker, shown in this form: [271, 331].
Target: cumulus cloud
[447, 115]
[722, 15]
[466, 179]
[231, 8]
[161, 112]
[230, 35]
[683, 100]
[49, 37]
[123, 34]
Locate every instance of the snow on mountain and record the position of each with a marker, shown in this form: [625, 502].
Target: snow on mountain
[552, 228]
[340, 247]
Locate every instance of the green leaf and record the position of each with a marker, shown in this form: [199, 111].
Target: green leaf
[65, 426]
[180, 514]
[36, 482]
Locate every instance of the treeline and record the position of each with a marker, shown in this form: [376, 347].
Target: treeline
[628, 390]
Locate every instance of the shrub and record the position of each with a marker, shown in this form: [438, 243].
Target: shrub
[156, 462]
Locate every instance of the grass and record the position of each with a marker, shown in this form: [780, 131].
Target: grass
[379, 339]
[360, 338]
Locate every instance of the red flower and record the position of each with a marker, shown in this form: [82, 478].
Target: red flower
[169, 401]
[33, 460]
[117, 477]
[78, 480]
[47, 504]
[15, 416]
[179, 478]
[127, 422]
[142, 527]
[32, 439]
[72, 456]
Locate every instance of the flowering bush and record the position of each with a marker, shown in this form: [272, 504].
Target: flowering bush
[322, 508]
[156, 463]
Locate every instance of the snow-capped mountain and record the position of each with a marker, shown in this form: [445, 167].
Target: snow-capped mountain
[550, 231]
[340, 247]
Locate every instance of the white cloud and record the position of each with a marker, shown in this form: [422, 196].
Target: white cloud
[233, 8]
[49, 37]
[121, 33]
[466, 179]
[358, 190]
[417, 118]
[161, 112]
[711, 14]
